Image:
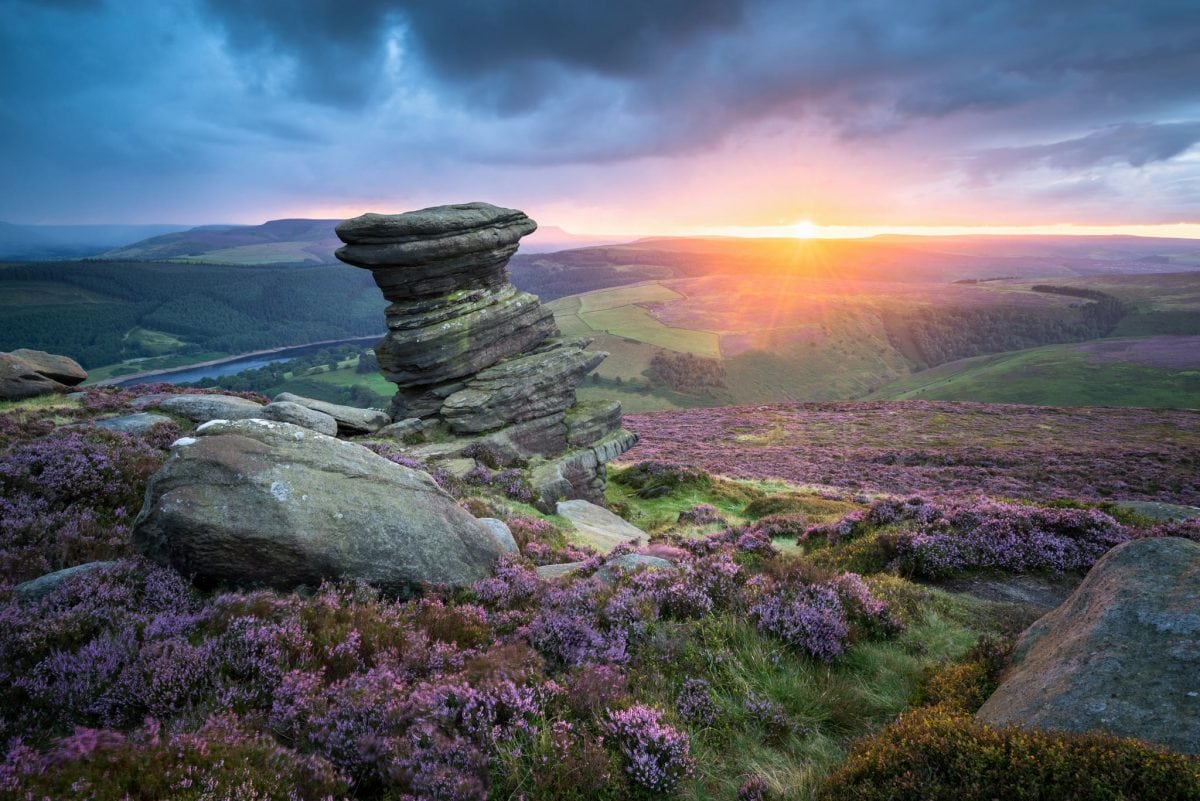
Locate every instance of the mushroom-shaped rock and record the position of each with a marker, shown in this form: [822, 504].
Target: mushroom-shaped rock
[261, 503]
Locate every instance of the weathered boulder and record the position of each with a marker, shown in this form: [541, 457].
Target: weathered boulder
[57, 368]
[518, 389]
[138, 423]
[40, 587]
[202, 408]
[1121, 654]
[19, 379]
[350, 419]
[579, 473]
[598, 527]
[260, 503]
[291, 412]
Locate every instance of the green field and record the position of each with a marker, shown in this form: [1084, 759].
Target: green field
[1055, 375]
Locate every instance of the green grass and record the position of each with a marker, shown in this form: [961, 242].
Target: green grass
[1055, 375]
[267, 253]
[634, 322]
[649, 292]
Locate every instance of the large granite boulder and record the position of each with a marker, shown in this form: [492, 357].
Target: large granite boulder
[19, 379]
[258, 503]
[62, 369]
[1121, 654]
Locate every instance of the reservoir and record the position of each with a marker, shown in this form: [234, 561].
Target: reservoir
[235, 364]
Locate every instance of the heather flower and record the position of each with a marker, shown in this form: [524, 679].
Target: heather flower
[694, 703]
[808, 618]
[753, 789]
[656, 755]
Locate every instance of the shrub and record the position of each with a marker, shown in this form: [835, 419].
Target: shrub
[656, 479]
[656, 756]
[694, 703]
[220, 762]
[938, 754]
[1005, 536]
[964, 685]
[807, 618]
[702, 514]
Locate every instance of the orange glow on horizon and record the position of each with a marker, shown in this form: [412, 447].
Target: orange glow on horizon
[576, 224]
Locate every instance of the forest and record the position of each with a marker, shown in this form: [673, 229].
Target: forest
[88, 309]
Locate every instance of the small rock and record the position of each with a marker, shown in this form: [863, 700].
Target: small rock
[289, 412]
[456, 467]
[551, 572]
[350, 419]
[629, 562]
[40, 587]
[403, 429]
[138, 423]
[57, 368]
[598, 527]
[502, 532]
[202, 408]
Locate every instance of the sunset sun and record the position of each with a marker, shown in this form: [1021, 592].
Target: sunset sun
[804, 229]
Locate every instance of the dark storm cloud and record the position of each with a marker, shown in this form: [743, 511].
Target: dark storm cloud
[679, 74]
[141, 97]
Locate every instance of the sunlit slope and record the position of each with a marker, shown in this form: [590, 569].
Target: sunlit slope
[794, 338]
[1156, 372]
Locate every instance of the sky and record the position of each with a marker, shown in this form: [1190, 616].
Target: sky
[831, 117]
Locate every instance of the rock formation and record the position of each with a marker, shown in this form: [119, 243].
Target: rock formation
[475, 359]
[1121, 654]
[260, 503]
[29, 373]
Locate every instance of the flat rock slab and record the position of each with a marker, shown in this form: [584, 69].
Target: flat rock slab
[350, 419]
[290, 412]
[1122, 654]
[138, 423]
[1161, 511]
[202, 408]
[551, 572]
[1043, 593]
[598, 527]
[40, 587]
[57, 368]
[256, 503]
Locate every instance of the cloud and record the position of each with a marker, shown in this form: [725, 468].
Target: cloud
[156, 104]
[1130, 144]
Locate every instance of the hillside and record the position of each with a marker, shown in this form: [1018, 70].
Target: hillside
[561, 680]
[1161, 371]
[47, 242]
[894, 259]
[165, 315]
[273, 242]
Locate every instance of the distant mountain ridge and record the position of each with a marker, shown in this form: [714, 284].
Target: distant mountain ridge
[288, 241]
[294, 241]
[49, 242]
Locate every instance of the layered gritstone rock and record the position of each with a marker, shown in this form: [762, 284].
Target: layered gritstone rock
[473, 356]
